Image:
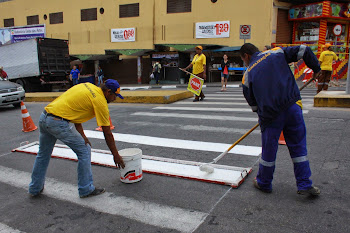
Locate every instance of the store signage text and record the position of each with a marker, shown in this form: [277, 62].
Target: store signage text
[123, 35]
[219, 29]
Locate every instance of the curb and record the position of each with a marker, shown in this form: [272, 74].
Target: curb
[143, 96]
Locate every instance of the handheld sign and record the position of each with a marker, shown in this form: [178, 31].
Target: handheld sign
[195, 85]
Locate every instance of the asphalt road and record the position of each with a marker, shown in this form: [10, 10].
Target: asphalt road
[167, 204]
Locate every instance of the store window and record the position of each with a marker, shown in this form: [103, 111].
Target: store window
[307, 32]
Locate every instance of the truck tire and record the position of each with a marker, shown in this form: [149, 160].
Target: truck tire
[22, 83]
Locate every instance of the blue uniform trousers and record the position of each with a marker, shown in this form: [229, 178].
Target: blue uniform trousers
[291, 121]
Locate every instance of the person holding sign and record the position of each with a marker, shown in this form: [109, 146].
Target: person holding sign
[199, 68]
[326, 60]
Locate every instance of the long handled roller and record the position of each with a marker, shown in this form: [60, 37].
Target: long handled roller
[210, 169]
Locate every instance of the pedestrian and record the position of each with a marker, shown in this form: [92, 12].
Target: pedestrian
[326, 60]
[100, 76]
[225, 64]
[74, 75]
[156, 71]
[270, 89]
[199, 68]
[267, 47]
[3, 74]
[77, 105]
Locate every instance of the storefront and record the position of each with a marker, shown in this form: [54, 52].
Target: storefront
[320, 23]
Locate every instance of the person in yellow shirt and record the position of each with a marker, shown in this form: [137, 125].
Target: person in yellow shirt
[199, 64]
[77, 105]
[326, 60]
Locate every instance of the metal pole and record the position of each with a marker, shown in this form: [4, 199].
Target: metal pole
[348, 78]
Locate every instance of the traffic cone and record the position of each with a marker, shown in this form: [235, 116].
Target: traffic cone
[281, 140]
[110, 125]
[28, 124]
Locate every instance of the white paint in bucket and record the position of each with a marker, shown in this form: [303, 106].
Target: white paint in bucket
[133, 165]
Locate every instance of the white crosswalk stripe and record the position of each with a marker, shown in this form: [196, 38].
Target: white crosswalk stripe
[197, 116]
[146, 212]
[191, 127]
[177, 143]
[212, 109]
[6, 229]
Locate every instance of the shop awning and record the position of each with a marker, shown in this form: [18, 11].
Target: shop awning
[189, 47]
[92, 57]
[128, 52]
[225, 49]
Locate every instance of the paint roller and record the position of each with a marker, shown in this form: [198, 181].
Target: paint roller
[210, 169]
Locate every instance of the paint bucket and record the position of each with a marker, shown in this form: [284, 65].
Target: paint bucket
[133, 165]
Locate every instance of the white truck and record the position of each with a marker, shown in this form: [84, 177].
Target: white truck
[37, 64]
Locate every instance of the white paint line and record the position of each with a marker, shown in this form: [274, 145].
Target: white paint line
[226, 175]
[211, 103]
[6, 229]
[5, 154]
[232, 85]
[178, 143]
[197, 116]
[201, 128]
[168, 87]
[206, 109]
[146, 212]
[212, 109]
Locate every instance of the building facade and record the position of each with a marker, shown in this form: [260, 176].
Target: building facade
[122, 35]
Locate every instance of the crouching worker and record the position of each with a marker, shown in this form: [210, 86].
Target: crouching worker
[270, 89]
[77, 105]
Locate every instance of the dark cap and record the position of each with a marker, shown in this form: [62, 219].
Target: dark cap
[114, 86]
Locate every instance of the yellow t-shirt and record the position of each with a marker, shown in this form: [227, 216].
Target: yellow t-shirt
[198, 62]
[81, 103]
[326, 60]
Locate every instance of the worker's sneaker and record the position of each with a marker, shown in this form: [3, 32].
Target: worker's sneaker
[195, 100]
[94, 193]
[36, 195]
[256, 185]
[313, 191]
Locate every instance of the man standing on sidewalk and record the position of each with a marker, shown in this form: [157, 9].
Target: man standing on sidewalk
[77, 105]
[270, 89]
[326, 60]
[74, 75]
[199, 68]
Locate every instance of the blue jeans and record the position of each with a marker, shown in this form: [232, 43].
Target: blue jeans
[75, 81]
[100, 80]
[291, 121]
[52, 129]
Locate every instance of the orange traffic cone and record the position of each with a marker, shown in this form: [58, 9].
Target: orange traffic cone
[110, 125]
[281, 140]
[28, 124]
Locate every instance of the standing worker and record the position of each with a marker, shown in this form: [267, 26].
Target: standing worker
[156, 71]
[199, 68]
[3, 74]
[225, 64]
[326, 60]
[77, 105]
[74, 75]
[270, 89]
